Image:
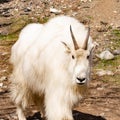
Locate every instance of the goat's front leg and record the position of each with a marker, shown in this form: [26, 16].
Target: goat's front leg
[57, 108]
[20, 113]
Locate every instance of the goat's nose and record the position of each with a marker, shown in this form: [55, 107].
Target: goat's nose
[81, 80]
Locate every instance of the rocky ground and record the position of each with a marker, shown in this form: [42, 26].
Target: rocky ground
[103, 17]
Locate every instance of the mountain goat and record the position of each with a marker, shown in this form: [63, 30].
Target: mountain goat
[51, 67]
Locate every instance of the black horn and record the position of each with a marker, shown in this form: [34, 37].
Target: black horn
[74, 40]
[86, 40]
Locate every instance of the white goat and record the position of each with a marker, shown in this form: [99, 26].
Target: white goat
[51, 67]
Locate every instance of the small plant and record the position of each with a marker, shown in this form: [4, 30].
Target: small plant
[116, 32]
[13, 36]
[108, 64]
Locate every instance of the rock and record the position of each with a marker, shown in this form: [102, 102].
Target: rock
[53, 10]
[74, 14]
[5, 23]
[102, 114]
[4, 1]
[5, 12]
[28, 9]
[106, 55]
[5, 87]
[101, 72]
[2, 119]
[1, 84]
[100, 88]
[101, 28]
[86, 0]
[106, 109]
[4, 78]
[103, 23]
[3, 71]
[5, 53]
[116, 52]
[117, 69]
[115, 12]
[95, 44]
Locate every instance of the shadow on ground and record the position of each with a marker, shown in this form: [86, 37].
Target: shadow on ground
[84, 116]
[76, 114]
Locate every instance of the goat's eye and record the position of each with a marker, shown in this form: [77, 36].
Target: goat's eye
[73, 57]
[88, 57]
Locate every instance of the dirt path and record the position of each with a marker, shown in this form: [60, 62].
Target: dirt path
[102, 104]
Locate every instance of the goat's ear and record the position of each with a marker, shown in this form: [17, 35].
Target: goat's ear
[67, 49]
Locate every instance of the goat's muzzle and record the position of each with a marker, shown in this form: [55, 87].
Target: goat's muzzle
[81, 81]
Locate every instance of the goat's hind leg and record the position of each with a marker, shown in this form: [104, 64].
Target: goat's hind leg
[17, 96]
[20, 109]
[20, 113]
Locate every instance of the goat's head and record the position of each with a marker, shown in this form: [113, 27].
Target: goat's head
[79, 65]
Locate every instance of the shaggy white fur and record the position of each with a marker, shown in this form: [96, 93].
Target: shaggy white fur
[47, 70]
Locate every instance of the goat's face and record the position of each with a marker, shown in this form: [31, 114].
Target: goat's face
[79, 65]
